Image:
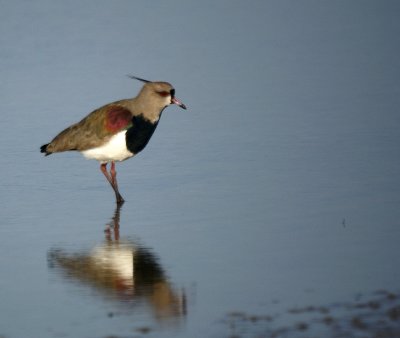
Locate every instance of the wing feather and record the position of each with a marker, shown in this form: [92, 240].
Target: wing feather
[93, 131]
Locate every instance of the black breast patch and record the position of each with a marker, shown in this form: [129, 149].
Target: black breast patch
[139, 134]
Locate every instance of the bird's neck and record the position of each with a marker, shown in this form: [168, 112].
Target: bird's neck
[147, 111]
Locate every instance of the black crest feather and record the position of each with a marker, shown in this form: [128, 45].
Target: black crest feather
[138, 78]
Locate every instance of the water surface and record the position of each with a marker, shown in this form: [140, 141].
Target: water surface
[268, 208]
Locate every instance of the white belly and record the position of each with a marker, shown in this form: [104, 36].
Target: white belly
[114, 150]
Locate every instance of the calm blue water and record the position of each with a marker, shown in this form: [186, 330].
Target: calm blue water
[278, 189]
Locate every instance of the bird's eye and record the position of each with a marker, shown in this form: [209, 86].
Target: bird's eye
[163, 93]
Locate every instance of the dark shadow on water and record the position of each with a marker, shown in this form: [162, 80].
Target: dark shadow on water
[374, 315]
[121, 270]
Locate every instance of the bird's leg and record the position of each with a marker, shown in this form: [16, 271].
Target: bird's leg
[112, 179]
[113, 173]
[103, 168]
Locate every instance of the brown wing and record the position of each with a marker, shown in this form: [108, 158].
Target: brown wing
[93, 131]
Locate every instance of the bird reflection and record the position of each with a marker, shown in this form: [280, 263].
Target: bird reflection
[124, 271]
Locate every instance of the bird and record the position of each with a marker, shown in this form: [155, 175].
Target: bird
[118, 130]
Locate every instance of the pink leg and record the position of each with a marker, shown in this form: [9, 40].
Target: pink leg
[112, 179]
[113, 175]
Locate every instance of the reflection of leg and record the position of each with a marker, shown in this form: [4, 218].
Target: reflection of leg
[112, 228]
[112, 179]
[116, 221]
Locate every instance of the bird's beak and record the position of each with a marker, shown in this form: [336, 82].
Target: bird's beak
[174, 100]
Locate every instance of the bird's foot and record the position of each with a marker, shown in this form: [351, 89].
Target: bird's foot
[119, 198]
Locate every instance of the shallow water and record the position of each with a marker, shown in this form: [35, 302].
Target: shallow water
[268, 208]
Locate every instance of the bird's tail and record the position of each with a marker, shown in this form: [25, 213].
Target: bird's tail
[43, 149]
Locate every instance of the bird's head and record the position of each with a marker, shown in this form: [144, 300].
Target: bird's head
[158, 94]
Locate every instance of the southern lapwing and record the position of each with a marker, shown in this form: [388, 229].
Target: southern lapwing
[118, 130]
